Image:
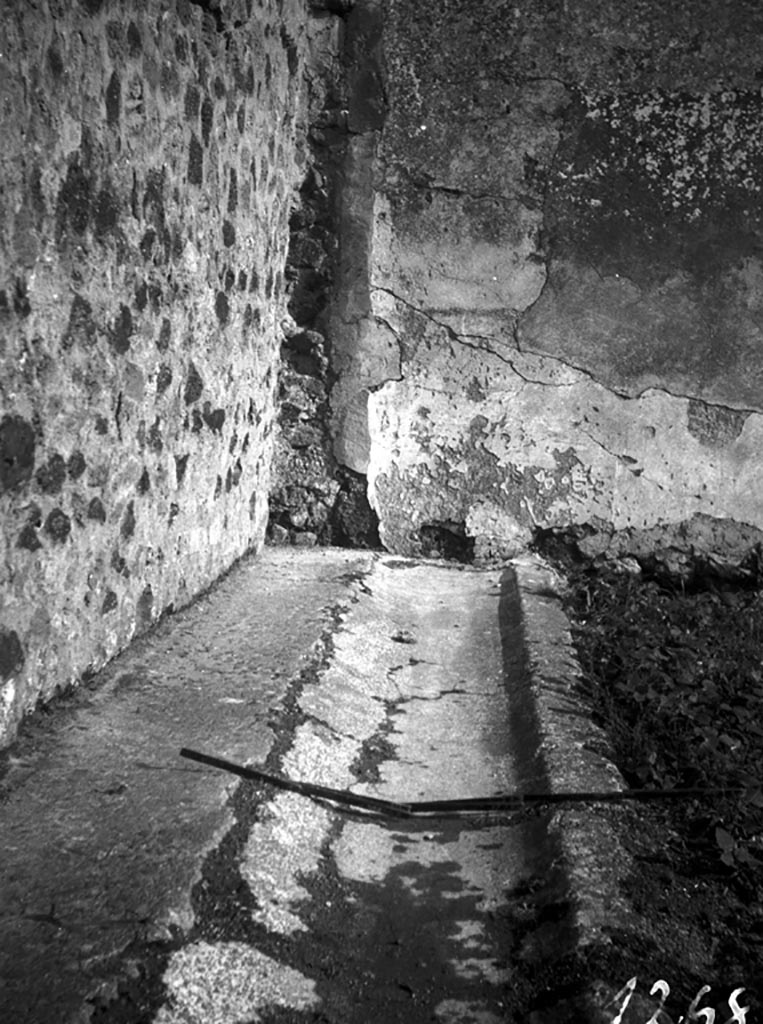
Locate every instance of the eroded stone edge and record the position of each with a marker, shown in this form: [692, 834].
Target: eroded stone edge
[574, 753]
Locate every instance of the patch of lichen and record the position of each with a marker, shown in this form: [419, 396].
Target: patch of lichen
[654, 184]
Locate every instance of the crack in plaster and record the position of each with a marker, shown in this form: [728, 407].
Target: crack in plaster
[519, 198]
[626, 396]
[624, 460]
[461, 339]
[453, 335]
[396, 335]
[526, 200]
[585, 373]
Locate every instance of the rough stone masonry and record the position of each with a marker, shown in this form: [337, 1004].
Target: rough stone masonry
[149, 157]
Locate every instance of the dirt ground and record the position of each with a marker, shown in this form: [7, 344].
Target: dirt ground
[672, 670]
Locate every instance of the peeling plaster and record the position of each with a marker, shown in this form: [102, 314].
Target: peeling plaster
[583, 455]
[564, 243]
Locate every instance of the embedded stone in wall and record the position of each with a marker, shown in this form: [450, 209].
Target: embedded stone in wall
[17, 451]
[303, 488]
[11, 653]
[714, 425]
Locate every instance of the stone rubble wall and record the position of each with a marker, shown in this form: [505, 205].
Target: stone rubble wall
[559, 325]
[316, 496]
[149, 161]
[304, 486]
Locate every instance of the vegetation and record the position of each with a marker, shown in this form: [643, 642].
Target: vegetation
[674, 674]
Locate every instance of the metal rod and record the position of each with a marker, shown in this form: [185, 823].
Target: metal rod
[509, 801]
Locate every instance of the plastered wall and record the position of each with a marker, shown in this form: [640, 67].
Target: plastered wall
[558, 324]
[148, 162]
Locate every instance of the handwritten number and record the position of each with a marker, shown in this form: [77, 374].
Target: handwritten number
[693, 1013]
[625, 994]
[707, 1013]
[738, 1013]
[664, 989]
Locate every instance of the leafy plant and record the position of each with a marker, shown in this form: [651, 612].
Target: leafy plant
[676, 678]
